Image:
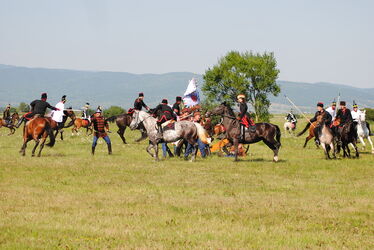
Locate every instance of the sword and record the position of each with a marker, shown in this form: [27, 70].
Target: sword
[288, 99]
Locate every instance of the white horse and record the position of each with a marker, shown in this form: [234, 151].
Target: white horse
[326, 138]
[189, 131]
[363, 132]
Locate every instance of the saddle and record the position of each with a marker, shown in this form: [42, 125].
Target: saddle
[168, 125]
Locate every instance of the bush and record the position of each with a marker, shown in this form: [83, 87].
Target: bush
[369, 114]
[113, 110]
[23, 107]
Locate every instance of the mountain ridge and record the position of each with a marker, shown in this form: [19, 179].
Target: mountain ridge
[24, 84]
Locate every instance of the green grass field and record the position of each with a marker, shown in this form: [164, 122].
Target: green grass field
[69, 199]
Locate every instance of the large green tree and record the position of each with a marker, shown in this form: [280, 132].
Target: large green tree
[252, 74]
[113, 110]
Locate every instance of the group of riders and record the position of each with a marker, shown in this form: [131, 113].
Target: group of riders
[332, 117]
[164, 113]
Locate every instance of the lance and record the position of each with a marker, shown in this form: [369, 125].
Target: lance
[288, 99]
[337, 106]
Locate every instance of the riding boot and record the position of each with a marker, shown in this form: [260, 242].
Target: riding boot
[242, 132]
[109, 148]
[93, 151]
[316, 135]
[20, 122]
[368, 127]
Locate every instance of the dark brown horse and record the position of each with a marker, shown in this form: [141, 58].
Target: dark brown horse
[348, 135]
[123, 121]
[268, 133]
[13, 120]
[37, 129]
[59, 127]
[78, 123]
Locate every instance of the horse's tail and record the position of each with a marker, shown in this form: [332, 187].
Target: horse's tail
[305, 129]
[49, 130]
[278, 135]
[111, 119]
[202, 133]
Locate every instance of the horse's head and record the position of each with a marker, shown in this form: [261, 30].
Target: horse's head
[69, 113]
[320, 119]
[15, 116]
[135, 120]
[362, 116]
[222, 109]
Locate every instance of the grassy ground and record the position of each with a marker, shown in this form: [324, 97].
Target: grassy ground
[69, 199]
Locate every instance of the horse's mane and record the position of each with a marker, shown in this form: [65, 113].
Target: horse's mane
[229, 109]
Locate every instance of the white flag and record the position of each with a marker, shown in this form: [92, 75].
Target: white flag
[191, 96]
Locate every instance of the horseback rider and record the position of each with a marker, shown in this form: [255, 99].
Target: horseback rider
[85, 114]
[38, 107]
[326, 118]
[99, 125]
[164, 113]
[6, 115]
[245, 121]
[290, 117]
[343, 114]
[58, 116]
[177, 105]
[139, 103]
[356, 116]
[332, 109]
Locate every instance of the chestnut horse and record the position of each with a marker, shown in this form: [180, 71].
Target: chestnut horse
[37, 129]
[309, 127]
[78, 123]
[13, 120]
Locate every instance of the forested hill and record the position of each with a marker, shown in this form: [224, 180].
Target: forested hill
[21, 84]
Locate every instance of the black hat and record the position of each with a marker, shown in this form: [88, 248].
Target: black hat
[342, 103]
[333, 103]
[87, 103]
[44, 95]
[164, 101]
[355, 104]
[320, 104]
[63, 98]
[178, 99]
[141, 94]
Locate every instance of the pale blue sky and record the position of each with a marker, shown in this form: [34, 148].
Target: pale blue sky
[315, 40]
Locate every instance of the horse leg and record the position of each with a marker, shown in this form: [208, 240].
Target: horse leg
[156, 152]
[272, 146]
[142, 137]
[42, 144]
[23, 148]
[36, 145]
[362, 142]
[62, 137]
[306, 140]
[333, 150]
[325, 151]
[236, 148]
[150, 146]
[121, 132]
[356, 149]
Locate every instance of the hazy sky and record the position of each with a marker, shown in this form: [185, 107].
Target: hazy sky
[315, 40]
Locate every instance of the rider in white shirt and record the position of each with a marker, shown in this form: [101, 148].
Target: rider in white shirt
[332, 110]
[356, 115]
[58, 115]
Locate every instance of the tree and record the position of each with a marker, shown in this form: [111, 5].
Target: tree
[246, 73]
[113, 110]
[24, 107]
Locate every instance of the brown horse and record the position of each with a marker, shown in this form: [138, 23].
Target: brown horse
[348, 135]
[268, 133]
[37, 129]
[123, 121]
[13, 120]
[78, 123]
[59, 127]
[310, 127]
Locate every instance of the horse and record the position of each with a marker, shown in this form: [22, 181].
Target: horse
[310, 127]
[124, 121]
[363, 131]
[186, 130]
[289, 127]
[13, 120]
[325, 137]
[37, 129]
[78, 123]
[59, 127]
[268, 133]
[348, 136]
